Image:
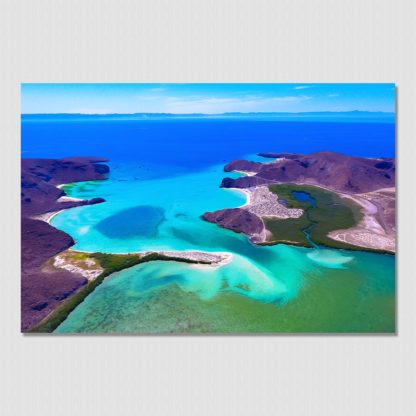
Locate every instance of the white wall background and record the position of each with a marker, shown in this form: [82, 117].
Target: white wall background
[204, 41]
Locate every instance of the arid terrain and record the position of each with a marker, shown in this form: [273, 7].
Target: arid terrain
[43, 289]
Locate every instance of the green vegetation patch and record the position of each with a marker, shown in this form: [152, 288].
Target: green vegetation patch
[79, 255]
[288, 230]
[285, 192]
[331, 213]
[80, 187]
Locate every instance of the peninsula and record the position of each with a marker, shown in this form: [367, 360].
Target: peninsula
[324, 198]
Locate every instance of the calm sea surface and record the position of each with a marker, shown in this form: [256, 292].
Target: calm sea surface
[164, 176]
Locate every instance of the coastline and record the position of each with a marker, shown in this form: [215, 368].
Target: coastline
[246, 193]
[47, 217]
[368, 234]
[42, 291]
[208, 258]
[259, 202]
[110, 264]
[214, 259]
[264, 204]
[94, 277]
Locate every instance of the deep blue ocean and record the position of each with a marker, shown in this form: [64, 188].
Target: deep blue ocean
[199, 143]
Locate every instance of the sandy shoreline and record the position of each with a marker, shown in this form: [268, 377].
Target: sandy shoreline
[245, 172]
[246, 193]
[90, 269]
[369, 233]
[47, 216]
[212, 259]
[215, 259]
[263, 203]
[66, 198]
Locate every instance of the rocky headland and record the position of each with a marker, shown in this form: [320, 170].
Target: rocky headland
[248, 219]
[335, 171]
[42, 290]
[238, 220]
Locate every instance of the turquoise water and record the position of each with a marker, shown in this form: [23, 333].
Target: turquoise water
[152, 214]
[263, 289]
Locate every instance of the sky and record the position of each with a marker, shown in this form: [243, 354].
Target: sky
[204, 98]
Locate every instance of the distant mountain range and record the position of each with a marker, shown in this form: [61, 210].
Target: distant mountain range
[302, 116]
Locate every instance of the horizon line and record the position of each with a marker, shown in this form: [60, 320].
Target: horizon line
[219, 114]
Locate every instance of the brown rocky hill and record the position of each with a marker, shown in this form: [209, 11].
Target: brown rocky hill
[42, 290]
[332, 170]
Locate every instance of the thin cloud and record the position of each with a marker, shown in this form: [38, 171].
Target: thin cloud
[333, 95]
[157, 89]
[91, 111]
[302, 87]
[159, 103]
[217, 105]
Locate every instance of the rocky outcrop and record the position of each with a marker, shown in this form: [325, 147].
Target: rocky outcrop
[278, 155]
[43, 289]
[236, 219]
[244, 182]
[335, 171]
[243, 165]
[39, 177]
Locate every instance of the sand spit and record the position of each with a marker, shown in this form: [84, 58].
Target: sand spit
[214, 259]
[66, 198]
[89, 268]
[245, 172]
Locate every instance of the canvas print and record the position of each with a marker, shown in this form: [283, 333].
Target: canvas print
[208, 208]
